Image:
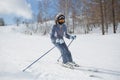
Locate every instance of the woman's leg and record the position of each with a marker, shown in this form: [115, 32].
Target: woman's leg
[63, 54]
[68, 53]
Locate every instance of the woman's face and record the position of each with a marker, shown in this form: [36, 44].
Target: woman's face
[61, 19]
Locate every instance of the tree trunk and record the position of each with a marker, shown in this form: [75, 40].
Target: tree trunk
[105, 16]
[102, 18]
[113, 13]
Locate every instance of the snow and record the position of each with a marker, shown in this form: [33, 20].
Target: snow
[17, 51]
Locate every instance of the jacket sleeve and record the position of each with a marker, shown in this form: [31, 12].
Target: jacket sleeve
[66, 33]
[52, 35]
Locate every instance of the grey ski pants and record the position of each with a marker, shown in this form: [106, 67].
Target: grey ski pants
[65, 53]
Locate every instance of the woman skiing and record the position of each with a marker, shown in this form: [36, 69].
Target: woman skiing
[59, 30]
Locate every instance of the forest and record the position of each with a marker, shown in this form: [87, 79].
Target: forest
[82, 16]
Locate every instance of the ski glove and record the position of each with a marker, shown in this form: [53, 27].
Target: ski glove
[59, 41]
[73, 37]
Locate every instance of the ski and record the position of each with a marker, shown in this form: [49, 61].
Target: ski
[91, 69]
[85, 69]
[67, 66]
[79, 68]
[97, 70]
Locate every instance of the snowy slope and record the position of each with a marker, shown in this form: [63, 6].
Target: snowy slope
[18, 50]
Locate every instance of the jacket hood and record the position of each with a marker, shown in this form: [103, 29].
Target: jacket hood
[57, 16]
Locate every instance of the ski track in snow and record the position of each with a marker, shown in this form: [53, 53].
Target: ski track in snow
[18, 50]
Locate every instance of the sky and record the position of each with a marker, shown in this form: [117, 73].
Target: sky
[9, 9]
[15, 8]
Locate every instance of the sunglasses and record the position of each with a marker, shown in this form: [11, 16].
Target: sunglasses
[61, 17]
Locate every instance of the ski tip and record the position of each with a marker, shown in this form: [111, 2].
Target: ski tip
[91, 75]
[23, 70]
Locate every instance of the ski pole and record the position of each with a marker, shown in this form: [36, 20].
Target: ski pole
[68, 46]
[38, 59]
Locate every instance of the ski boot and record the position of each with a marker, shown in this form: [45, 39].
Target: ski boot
[67, 65]
[73, 64]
